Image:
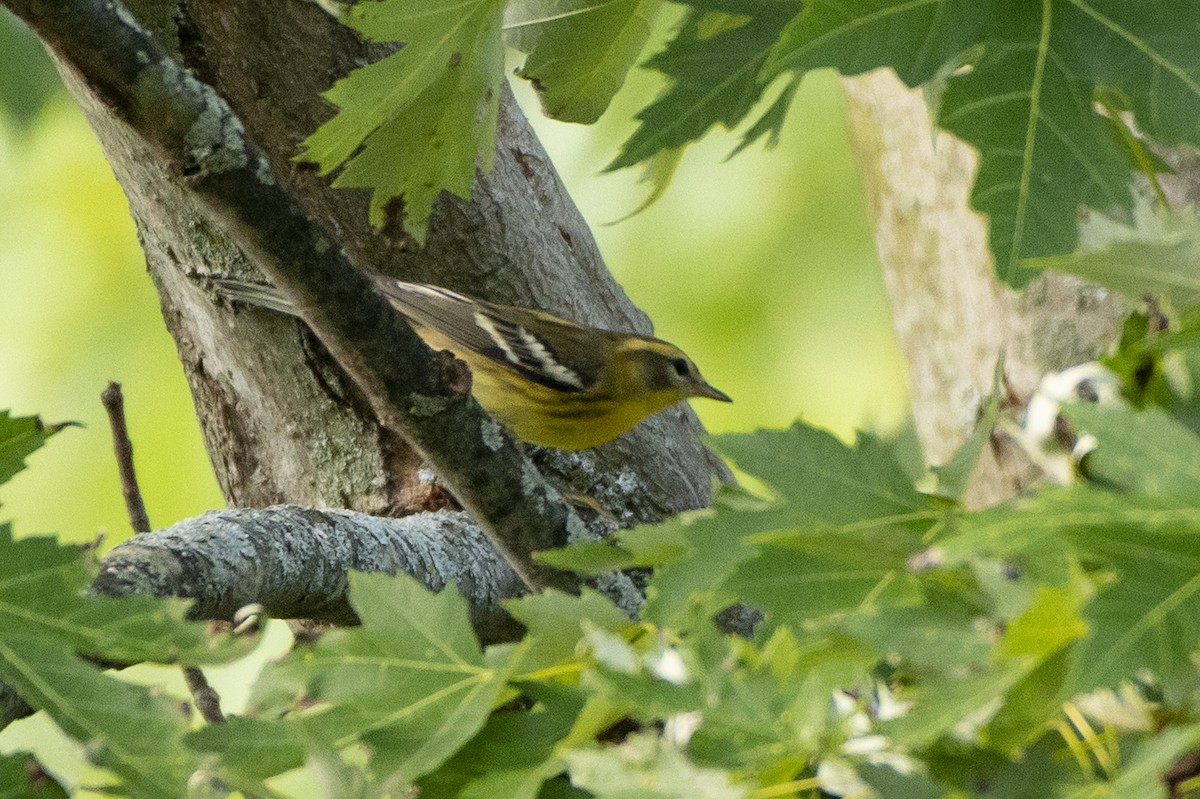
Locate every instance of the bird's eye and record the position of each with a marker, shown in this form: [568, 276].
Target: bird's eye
[681, 367]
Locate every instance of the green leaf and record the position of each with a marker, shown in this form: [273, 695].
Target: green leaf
[954, 476]
[713, 65]
[128, 729]
[22, 777]
[41, 595]
[1027, 107]
[1140, 775]
[770, 123]
[587, 557]
[934, 637]
[815, 573]
[411, 683]
[1156, 256]
[823, 480]
[1138, 362]
[843, 523]
[1025, 101]
[657, 174]
[19, 437]
[762, 710]
[714, 548]
[1146, 452]
[555, 623]
[965, 695]
[890, 783]
[252, 749]
[1143, 618]
[956, 707]
[847, 522]
[579, 50]
[856, 36]
[515, 753]
[46, 619]
[413, 123]
[647, 767]
[1045, 770]
[27, 77]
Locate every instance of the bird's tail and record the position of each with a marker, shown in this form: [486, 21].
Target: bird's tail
[257, 294]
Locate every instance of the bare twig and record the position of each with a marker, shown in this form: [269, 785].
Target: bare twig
[206, 700]
[114, 405]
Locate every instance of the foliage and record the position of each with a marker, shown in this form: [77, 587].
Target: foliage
[1020, 80]
[27, 79]
[19, 437]
[578, 50]
[906, 647]
[411, 124]
[48, 626]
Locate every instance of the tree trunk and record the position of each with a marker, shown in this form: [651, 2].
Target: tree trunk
[952, 317]
[280, 421]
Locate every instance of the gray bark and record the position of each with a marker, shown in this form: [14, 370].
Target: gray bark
[280, 421]
[280, 418]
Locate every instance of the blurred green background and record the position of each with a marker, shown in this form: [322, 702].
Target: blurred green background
[762, 268]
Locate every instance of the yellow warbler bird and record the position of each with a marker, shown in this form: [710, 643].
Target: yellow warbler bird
[550, 381]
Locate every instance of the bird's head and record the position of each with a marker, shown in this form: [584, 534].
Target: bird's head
[658, 367]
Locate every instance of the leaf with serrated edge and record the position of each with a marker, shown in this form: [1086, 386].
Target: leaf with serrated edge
[555, 622]
[46, 619]
[579, 50]
[413, 124]
[131, 731]
[19, 437]
[713, 63]
[915, 38]
[411, 682]
[1025, 102]
[1143, 618]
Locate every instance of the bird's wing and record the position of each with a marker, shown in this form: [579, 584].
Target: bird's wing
[529, 342]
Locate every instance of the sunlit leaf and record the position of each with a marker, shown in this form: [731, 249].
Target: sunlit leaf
[413, 124]
[646, 767]
[411, 682]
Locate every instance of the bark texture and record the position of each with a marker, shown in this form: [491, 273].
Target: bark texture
[952, 317]
[281, 422]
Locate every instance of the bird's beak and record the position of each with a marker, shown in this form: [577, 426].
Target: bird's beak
[706, 390]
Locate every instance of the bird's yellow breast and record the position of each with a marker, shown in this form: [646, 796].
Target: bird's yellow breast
[550, 417]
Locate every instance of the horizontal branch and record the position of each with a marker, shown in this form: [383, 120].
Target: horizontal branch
[294, 562]
[421, 395]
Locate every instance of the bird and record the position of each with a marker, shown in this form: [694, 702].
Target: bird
[551, 382]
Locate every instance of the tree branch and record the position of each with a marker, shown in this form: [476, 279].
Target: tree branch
[294, 561]
[421, 395]
[135, 506]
